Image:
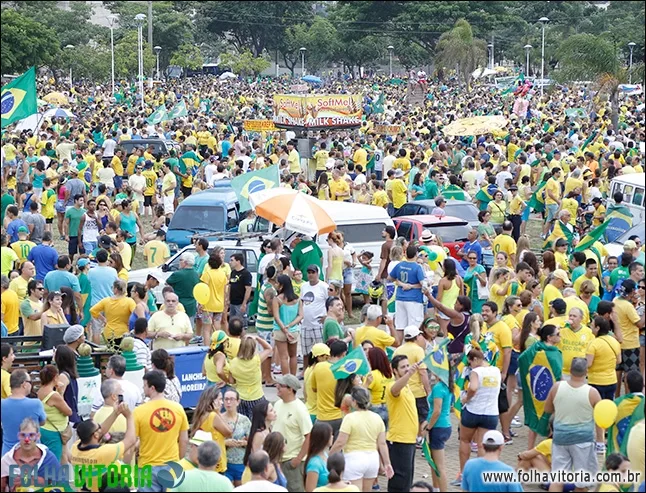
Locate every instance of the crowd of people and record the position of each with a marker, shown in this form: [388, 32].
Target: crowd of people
[506, 289]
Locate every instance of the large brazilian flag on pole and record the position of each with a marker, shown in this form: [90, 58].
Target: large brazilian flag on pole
[19, 98]
[255, 181]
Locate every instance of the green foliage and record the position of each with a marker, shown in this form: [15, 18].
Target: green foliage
[89, 63]
[410, 55]
[188, 56]
[459, 49]
[586, 57]
[244, 64]
[125, 57]
[320, 39]
[25, 42]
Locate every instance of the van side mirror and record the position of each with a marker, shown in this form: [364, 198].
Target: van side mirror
[164, 267]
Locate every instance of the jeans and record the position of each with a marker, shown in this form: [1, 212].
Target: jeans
[89, 246]
[402, 458]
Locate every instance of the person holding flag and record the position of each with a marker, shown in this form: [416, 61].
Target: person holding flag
[627, 406]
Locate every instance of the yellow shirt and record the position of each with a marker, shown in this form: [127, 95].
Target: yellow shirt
[310, 402]
[151, 179]
[156, 252]
[22, 249]
[399, 193]
[321, 158]
[415, 354]
[498, 299]
[158, 425]
[554, 186]
[380, 198]
[117, 312]
[402, 416]
[402, 163]
[48, 200]
[216, 279]
[360, 156]
[350, 488]
[324, 384]
[5, 390]
[117, 166]
[635, 448]
[363, 429]
[573, 345]
[126, 255]
[378, 387]
[8, 257]
[232, 348]
[572, 206]
[502, 337]
[10, 305]
[19, 286]
[561, 261]
[545, 448]
[516, 205]
[293, 423]
[106, 454]
[627, 317]
[375, 335]
[505, 243]
[572, 183]
[294, 161]
[31, 327]
[339, 186]
[248, 377]
[207, 425]
[598, 213]
[550, 293]
[605, 350]
[581, 279]
[120, 424]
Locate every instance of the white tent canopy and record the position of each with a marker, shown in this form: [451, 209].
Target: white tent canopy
[32, 122]
[479, 72]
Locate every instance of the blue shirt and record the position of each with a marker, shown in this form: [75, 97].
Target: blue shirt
[101, 280]
[12, 229]
[44, 258]
[440, 391]
[14, 411]
[411, 273]
[57, 279]
[472, 479]
[471, 246]
[317, 464]
[226, 145]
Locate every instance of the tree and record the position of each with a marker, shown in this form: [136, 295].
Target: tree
[125, 57]
[320, 40]
[25, 42]
[410, 55]
[188, 56]
[458, 49]
[245, 63]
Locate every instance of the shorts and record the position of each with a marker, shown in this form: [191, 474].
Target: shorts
[148, 200]
[513, 363]
[49, 220]
[236, 311]
[279, 336]
[267, 336]
[89, 246]
[579, 457]
[309, 337]
[169, 204]
[606, 391]
[421, 403]
[96, 325]
[551, 209]
[473, 421]
[347, 276]
[642, 340]
[361, 464]
[60, 206]
[73, 246]
[525, 215]
[118, 182]
[503, 403]
[629, 360]
[234, 472]
[437, 437]
[186, 191]
[210, 317]
[408, 313]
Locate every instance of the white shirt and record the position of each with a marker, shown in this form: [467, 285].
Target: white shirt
[314, 298]
[106, 176]
[109, 145]
[259, 485]
[210, 170]
[388, 163]
[131, 396]
[138, 184]
[501, 177]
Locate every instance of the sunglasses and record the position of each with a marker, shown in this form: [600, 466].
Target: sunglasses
[31, 436]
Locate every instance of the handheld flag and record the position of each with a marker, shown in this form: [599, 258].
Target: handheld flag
[19, 98]
[560, 230]
[593, 236]
[620, 220]
[158, 116]
[540, 366]
[437, 361]
[255, 181]
[537, 202]
[354, 362]
[485, 195]
[617, 433]
[178, 111]
[426, 450]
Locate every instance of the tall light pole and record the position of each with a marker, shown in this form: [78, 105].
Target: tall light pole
[139, 21]
[390, 54]
[303, 50]
[112, 20]
[543, 21]
[157, 50]
[527, 48]
[490, 46]
[631, 45]
[71, 47]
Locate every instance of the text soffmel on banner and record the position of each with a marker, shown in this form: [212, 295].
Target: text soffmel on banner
[317, 111]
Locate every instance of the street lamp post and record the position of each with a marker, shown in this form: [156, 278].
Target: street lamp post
[71, 47]
[543, 21]
[390, 54]
[303, 50]
[490, 46]
[631, 45]
[157, 50]
[112, 19]
[139, 21]
[527, 48]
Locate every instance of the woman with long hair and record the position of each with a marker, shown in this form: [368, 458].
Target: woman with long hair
[288, 313]
[349, 261]
[53, 313]
[262, 421]
[530, 259]
[512, 306]
[498, 209]
[448, 290]
[499, 286]
[336, 472]
[500, 262]
[378, 380]
[549, 266]
[486, 232]
[342, 391]
[534, 286]
[274, 445]
[362, 437]
[529, 331]
[475, 279]
[334, 258]
[207, 417]
[58, 412]
[69, 306]
[321, 438]
[522, 248]
[161, 360]
[139, 294]
[65, 361]
[236, 444]
[323, 187]
[320, 352]
[116, 261]
[246, 374]
[215, 366]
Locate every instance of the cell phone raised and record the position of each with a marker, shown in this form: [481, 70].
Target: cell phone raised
[120, 398]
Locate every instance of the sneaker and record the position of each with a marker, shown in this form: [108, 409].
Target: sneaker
[196, 340]
[456, 482]
[517, 418]
[418, 442]
[509, 440]
[512, 434]
[515, 423]
[375, 487]
[474, 447]
[600, 448]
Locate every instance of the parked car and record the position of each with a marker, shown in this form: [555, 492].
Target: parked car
[161, 147]
[452, 230]
[456, 208]
[616, 248]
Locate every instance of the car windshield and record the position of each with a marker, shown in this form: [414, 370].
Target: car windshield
[198, 217]
[635, 230]
[463, 211]
[458, 232]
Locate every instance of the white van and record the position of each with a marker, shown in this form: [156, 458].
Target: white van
[632, 186]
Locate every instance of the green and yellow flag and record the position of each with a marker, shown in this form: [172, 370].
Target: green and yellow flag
[437, 361]
[18, 98]
[560, 230]
[592, 237]
[618, 432]
[537, 202]
[255, 181]
[355, 362]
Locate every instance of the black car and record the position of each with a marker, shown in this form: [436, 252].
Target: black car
[161, 147]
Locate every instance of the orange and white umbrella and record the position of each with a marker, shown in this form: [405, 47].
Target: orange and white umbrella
[292, 209]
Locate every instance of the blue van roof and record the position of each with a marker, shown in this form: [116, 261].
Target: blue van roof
[212, 195]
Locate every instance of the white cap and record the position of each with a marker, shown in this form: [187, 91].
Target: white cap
[200, 437]
[493, 437]
[411, 332]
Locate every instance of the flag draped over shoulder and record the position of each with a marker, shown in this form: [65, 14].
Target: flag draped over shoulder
[485, 195]
[255, 181]
[620, 220]
[19, 98]
[617, 433]
[592, 237]
[453, 192]
[638, 415]
[560, 230]
[537, 202]
[355, 362]
[437, 361]
[540, 366]
[158, 116]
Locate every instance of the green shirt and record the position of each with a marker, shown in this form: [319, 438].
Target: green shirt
[86, 288]
[200, 263]
[183, 281]
[74, 215]
[332, 328]
[578, 272]
[204, 481]
[305, 254]
[430, 190]
[5, 201]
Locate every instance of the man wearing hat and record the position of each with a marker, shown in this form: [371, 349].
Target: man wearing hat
[23, 246]
[554, 290]
[294, 423]
[398, 190]
[314, 294]
[472, 475]
[74, 336]
[190, 459]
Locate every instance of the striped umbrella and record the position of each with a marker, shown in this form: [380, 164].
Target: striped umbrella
[59, 113]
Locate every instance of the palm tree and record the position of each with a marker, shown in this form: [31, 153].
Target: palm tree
[458, 48]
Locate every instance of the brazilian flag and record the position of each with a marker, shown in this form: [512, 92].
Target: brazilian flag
[485, 195]
[537, 202]
[355, 362]
[437, 361]
[638, 415]
[560, 230]
[620, 220]
[158, 116]
[255, 181]
[540, 367]
[18, 99]
[617, 434]
[453, 192]
[426, 450]
[592, 237]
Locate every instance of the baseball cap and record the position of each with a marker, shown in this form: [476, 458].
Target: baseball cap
[288, 381]
[82, 262]
[106, 242]
[493, 437]
[399, 173]
[200, 437]
[320, 349]
[411, 332]
[597, 200]
[562, 275]
[160, 233]
[313, 268]
[559, 304]
[513, 188]
[23, 229]
[628, 244]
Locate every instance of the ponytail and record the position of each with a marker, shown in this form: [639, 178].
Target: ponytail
[335, 467]
[545, 331]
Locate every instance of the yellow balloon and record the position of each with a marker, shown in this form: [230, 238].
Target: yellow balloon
[441, 254]
[201, 293]
[605, 413]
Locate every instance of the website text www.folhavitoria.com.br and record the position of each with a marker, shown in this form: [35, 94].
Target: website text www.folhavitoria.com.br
[542, 477]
